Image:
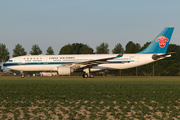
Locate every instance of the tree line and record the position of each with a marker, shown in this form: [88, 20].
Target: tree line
[168, 66]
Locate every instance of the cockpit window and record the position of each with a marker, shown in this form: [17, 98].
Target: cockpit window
[10, 60]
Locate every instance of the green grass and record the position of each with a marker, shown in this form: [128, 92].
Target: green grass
[82, 98]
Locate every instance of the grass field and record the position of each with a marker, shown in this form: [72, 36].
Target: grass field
[82, 98]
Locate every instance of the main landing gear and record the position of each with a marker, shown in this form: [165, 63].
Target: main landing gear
[87, 74]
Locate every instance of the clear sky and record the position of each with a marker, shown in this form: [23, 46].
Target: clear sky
[59, 22]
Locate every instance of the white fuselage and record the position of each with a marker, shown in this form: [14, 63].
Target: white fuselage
[51, 62]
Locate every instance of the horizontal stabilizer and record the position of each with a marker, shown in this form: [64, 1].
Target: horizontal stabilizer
[120, 55]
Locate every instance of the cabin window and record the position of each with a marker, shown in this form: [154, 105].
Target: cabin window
[31, 58]
[37, 58]
[28, 58]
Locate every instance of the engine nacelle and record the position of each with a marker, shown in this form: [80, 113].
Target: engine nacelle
[64, 70]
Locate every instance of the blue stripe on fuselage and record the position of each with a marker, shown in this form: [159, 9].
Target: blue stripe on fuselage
[35, 63]
[9, 64]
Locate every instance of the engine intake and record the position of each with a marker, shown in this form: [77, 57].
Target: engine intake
[64, 70]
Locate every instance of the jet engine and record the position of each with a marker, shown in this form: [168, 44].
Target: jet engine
[64, 70]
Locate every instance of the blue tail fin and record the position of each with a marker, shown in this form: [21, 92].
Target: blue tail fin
[160, 43]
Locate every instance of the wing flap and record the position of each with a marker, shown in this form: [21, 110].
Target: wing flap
[93, 62]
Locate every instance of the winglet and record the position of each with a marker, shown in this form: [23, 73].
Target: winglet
[120, 55]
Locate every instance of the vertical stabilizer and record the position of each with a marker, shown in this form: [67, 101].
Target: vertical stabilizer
[160, 43]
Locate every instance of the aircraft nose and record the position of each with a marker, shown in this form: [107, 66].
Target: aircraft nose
[5, 64]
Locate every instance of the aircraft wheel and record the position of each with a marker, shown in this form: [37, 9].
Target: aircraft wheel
[22, 75]
[91, 76]
[85, 76]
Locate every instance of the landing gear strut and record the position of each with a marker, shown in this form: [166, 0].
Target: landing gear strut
[87, 74]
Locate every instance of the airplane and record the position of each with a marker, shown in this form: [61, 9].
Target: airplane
[88, 63]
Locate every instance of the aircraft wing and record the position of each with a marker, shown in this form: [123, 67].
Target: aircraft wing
[91, 63]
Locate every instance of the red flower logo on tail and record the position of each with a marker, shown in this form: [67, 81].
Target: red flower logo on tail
[162, 41]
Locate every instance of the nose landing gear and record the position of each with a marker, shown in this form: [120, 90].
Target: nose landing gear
[22, 74]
